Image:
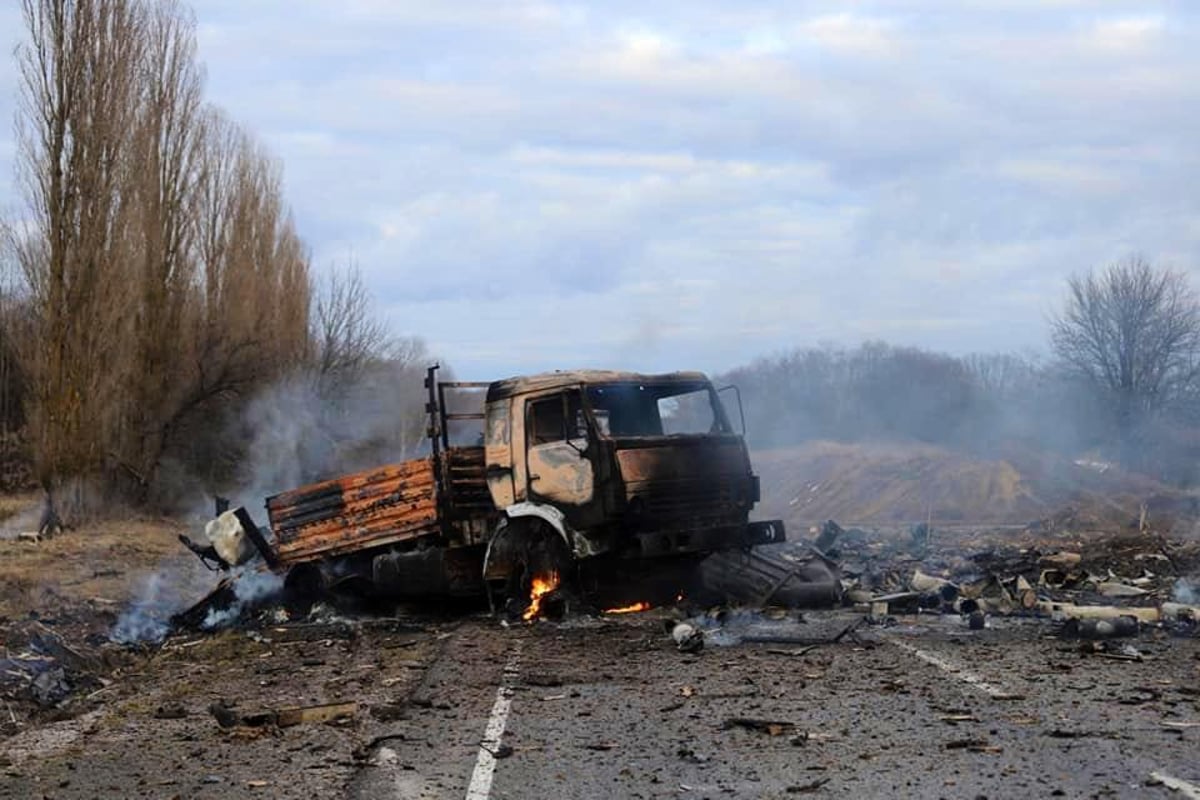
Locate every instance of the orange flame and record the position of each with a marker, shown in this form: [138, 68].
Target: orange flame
[642, 606]
[542, 584]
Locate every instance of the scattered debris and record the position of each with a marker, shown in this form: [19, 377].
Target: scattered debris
[1112, 650]
[228, 717]
[830, 532]
[805, 788]
[974, 745]
[40, 666]
[688, 638]
[767, 726]
[1099, 628]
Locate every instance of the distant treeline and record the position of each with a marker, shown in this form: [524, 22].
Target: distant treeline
[981, 403]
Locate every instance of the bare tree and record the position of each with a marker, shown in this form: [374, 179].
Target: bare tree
[163, 191]
[346, 335]
[161, 274]
[79, 87]
[1133, 331]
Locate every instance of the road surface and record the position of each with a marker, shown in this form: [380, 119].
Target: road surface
[608, 708]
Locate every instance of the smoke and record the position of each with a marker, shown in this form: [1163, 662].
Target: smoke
[176, 587]
[251, 588]
[732, 626]
[26, 520]
[160, 596]
[984, 437]
[310, 427]
[1184, 592]
[882, 392]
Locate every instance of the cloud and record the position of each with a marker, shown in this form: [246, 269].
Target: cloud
[537, 185]
[851, 34]
[1126, 33]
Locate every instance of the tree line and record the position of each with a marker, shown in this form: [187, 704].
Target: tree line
[156, 279]
[1122, 383]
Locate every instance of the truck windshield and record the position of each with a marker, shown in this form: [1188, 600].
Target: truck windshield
[636, 409]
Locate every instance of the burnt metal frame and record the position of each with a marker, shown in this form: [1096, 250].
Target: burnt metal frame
[438, 429]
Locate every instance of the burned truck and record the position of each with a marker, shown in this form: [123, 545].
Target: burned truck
[574, 477]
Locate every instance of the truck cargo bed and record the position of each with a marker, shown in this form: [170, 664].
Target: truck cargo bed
[385, 505]
[355, 512]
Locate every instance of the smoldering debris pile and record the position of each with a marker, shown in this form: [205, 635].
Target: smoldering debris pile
[1143, 576]
[1090, 588]
[158, 611]
[727, 627]
[39, 666]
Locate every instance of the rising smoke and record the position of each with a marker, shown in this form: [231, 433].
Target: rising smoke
[161, 595]
[251, 587]
[1184, 592]
[306, 428]
[311, 427]
[880, 392]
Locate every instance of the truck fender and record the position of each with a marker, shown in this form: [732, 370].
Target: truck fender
[552, 516]
[578, 545]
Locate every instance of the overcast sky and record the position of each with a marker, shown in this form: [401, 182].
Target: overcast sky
[693, 184]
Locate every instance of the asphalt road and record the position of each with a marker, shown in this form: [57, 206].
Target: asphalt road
[929, 710]
[596, 709]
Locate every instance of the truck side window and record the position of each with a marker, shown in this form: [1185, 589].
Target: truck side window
[546, 419]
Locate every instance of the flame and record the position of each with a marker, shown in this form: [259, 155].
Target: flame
[642, 606]
[542, 584]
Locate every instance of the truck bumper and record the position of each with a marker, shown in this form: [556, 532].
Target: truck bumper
[678, 542]
[764, 532]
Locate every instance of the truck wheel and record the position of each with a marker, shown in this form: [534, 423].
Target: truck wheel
[525, 549]
[302, 588]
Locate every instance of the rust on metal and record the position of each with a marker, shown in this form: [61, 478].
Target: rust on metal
[384, 506]
[364, 509]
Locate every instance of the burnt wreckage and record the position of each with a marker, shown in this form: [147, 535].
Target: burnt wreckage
[581, 476]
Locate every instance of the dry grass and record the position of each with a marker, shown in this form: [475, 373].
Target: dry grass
[890, 483]
[93, 566]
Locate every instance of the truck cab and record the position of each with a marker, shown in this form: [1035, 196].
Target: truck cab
[622, 463]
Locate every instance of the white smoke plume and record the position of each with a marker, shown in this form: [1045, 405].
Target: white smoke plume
[166, 592]
[1185, 592]
[251, 587]
[22, 521]
[311, 427]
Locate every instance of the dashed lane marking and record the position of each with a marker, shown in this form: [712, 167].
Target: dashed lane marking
[1188, 790]
[959, 672]
[485, 765]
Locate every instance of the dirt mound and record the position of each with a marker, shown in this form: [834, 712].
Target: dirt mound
[893, 483]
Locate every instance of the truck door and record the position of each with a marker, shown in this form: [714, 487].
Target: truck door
[558, 461]
[498, 455]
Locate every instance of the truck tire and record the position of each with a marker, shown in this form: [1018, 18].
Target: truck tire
[523, 549]
[302, 588]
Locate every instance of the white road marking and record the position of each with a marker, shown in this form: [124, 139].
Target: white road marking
[962, 674]
[1188, 790]
[485, 765]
